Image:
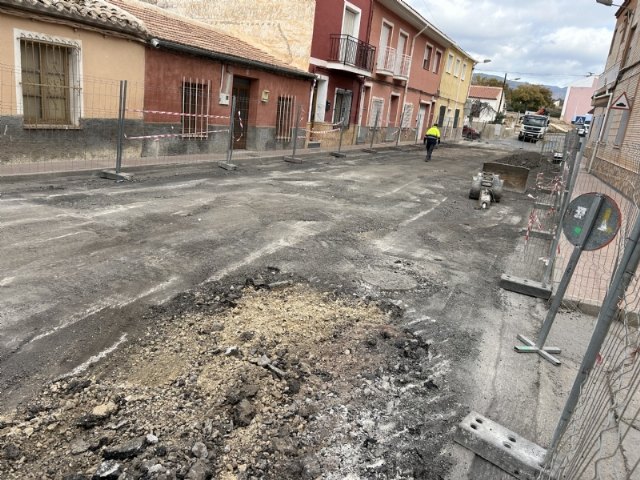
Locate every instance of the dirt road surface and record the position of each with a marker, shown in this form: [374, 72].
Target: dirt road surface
[331, 319]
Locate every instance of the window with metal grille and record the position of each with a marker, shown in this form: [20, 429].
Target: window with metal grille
[47, 90]
[375, 115]
[342, 110]
[284, 117]
[195, 108]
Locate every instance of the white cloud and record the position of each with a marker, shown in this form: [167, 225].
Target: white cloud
[553, 42]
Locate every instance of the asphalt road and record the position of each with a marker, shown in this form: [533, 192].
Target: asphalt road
[82, 258]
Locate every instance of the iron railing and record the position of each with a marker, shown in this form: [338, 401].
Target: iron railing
[350, 51]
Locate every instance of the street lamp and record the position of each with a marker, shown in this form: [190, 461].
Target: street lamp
[504, 84]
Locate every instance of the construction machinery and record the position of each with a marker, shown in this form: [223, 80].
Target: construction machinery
[486, 187]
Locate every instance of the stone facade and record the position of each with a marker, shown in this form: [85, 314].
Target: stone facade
[281, 28]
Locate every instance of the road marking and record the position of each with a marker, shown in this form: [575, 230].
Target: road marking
[95, 358]
[301, 231]
[423, 213]
[396, 190]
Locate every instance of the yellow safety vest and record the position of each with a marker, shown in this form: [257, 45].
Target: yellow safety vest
[433, 132]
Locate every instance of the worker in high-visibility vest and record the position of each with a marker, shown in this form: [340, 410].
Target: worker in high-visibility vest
[432, 138]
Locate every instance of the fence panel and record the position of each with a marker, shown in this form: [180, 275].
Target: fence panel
[76, 130]
[600, 436]
[535, 252]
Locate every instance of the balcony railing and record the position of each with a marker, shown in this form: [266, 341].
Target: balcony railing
[608, 76]
[392, 63]
[403, 64]
[387, 61]
[350, 51]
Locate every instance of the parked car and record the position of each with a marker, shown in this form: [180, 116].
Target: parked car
[470, 133]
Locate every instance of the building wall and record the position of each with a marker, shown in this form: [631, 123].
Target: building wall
[105, 61]
[280, 27]
[328, 21]
[577, 101]
[422, 86]
[454, 88]
[167, 70]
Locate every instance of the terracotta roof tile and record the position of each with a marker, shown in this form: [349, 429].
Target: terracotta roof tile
[479, 91]
[95, 12]
[175, 28]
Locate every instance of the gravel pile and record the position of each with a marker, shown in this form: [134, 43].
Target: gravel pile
[268, 381]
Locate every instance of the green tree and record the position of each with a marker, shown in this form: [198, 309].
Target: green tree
[486, 81]
[530, 97]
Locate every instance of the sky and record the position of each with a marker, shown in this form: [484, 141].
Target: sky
[548, 42]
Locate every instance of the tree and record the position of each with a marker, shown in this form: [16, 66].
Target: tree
[530, 97]
[486, 81]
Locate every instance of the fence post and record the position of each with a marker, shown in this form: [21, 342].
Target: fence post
[121, 116]
[400, 126]
[292, 158]
[564, 202]
[373, 134]
[122, 112]
[538, 347]
[339, 153]
[624, 273]
[227, 165]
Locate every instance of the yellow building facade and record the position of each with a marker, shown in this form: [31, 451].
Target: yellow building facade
[453, 92]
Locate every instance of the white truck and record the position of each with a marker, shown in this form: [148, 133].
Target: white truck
[534, 126]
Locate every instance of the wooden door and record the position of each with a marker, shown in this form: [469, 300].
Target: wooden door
[241, 88]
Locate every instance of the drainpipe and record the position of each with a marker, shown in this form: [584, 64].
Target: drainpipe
[602, 125]
[406, 87]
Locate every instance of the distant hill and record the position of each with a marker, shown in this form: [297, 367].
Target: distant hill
[556, 92]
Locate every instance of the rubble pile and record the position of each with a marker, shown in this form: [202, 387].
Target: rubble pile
[271, 380]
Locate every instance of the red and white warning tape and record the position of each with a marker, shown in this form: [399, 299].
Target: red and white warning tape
[178, 114]
[169, 135]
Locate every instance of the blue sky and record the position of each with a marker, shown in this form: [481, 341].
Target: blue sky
[551, 42]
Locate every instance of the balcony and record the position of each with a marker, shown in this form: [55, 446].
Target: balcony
[392, 64]
[608, 77]
[387, 61]
[350, 54]
[403, 64]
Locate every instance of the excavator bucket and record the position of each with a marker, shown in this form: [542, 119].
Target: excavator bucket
[515, 178]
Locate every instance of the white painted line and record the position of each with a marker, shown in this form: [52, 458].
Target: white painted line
[301, 232]
[396, 190]
[82, 367]
[423, 213]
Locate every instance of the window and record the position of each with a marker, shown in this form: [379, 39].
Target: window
[623, 119]
[449, 63]
[351, 20]
[342, 110]
[407, 113]
[375, 116]
[428, 52]
[463, 74]
[456, 71]
[49, 94]
[438, 60]
[284, 117]
[195, 108]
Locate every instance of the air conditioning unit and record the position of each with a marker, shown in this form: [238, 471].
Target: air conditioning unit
[224, 99]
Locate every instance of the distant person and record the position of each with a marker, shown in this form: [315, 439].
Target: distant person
[432, 138]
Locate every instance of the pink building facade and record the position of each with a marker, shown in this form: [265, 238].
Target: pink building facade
[577, 101]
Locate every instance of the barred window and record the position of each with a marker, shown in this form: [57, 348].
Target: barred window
[284, 117]
[195, 108]
[47, 90]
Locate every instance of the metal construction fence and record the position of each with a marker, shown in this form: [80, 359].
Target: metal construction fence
[107, 124]
[598, 433]
[549, 196]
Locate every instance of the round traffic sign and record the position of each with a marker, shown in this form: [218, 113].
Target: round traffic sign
[605, 227]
